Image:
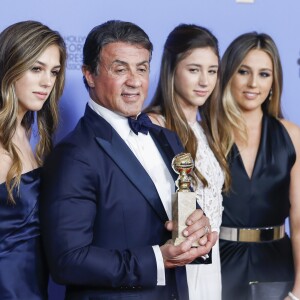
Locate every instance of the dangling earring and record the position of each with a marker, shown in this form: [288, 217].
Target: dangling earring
[270, 95]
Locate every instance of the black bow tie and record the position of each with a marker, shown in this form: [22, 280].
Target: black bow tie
[141, 124]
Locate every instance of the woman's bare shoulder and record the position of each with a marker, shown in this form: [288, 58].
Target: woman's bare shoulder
[293, 130]
[157, 119]
[5, 164]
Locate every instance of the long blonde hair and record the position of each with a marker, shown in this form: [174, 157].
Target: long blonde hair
[230, 120]
[20, 46]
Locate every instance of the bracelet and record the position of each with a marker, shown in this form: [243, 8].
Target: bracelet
[292, 296]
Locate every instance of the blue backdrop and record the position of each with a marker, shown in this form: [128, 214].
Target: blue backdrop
[225, 18]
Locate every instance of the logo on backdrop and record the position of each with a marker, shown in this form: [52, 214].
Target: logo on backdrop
[74, 45]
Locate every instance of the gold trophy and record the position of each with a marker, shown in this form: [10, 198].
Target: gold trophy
[183, 201]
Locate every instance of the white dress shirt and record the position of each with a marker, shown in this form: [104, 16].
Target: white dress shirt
[145, 150]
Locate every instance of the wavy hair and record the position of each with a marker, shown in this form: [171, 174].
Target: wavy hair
[179, 44]
[20, 46]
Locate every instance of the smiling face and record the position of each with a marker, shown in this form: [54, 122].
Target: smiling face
[251, 84]
[36, 84]
[121, 83]
[195, 78]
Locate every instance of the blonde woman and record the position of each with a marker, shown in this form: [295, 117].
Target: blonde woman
[263, 152]
[32, 65]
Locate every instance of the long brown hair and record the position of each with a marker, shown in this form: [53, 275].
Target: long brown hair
[20, 46]
[178, 45]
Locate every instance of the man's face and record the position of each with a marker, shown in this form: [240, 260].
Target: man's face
[121, 83]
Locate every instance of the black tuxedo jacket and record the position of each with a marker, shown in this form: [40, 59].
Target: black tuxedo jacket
[101, 215]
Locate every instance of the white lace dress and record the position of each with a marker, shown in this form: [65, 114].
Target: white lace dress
[204, 281]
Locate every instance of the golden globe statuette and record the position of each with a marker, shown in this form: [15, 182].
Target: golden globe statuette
[183, 201]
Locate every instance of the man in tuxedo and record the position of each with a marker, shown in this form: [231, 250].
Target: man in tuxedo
[106, 192]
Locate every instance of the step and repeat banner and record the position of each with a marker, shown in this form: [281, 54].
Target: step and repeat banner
[225, 18]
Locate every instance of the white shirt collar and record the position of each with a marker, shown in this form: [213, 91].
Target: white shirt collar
[118, 122]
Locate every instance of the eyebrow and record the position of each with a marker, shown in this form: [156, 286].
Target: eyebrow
[125, 63]
[262, 69]
[198, 65]
[43, 64]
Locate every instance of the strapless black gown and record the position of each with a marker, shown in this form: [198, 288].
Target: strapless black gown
[261, 201]
[23, 272]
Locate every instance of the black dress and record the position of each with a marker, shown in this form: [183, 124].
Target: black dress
[23, 273]
[261, 201]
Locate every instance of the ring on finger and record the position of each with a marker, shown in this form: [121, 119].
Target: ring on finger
[206, 229]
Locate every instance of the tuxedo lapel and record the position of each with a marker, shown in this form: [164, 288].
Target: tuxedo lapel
[120, 153]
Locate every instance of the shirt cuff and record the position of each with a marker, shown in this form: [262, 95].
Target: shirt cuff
[161, 279]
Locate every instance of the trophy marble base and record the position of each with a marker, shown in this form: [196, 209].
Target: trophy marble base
[183, 204]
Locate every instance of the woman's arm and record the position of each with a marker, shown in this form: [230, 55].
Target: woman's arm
[294, 132]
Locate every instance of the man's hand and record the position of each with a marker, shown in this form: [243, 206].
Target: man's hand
[198, 229]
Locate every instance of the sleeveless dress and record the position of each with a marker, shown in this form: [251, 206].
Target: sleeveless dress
[204, 281]
[259, 201]
[23, 272]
